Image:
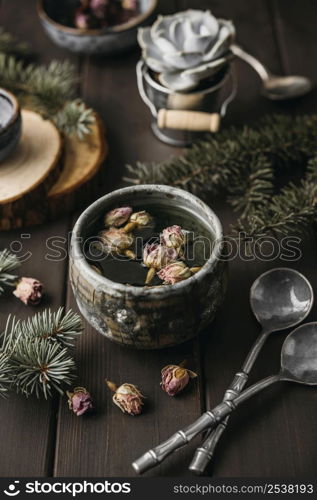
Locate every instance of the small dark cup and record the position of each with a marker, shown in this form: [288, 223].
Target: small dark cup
[111, 40]
[10, 123]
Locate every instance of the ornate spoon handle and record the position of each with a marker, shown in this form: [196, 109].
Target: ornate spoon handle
[209, 419]
[205, 452]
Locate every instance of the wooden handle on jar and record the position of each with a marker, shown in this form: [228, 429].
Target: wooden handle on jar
[195, 121]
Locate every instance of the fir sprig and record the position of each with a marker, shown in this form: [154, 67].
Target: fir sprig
[34, 358]
[49, 90]
[8, 263]
[6, 375]
[52, 326]
[40, 366]
[249, 164]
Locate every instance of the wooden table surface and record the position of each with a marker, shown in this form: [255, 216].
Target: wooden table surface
[275, 434]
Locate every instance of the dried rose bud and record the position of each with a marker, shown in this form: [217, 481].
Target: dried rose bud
[139, 220]
[127, 397]
[173, 237]
[99, 8]
[175, 378]
[156, 257]
[79, 401]
[129, 4]
[29, 291]
[118, 216]
[175, 272]
[82, 20]
[116, 240]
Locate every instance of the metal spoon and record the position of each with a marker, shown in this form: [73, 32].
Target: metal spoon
[298, 364]
[275, 87]
[280, 299]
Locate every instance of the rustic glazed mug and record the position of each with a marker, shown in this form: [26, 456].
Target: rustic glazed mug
[150, 317]
[10, 123]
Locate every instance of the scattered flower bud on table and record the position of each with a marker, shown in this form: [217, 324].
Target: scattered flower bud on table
[118, 216]
[174, 273]
[155, 257]
[127, 397]
[173, 237]
[138, 220]
[79, 401]
[175, 378]
[117, 241]
[29, 291]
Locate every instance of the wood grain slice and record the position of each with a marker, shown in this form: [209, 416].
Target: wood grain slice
[29, 173]
[81, 162]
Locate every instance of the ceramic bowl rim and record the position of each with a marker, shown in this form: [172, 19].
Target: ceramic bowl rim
[138, 290]
[118, 28]
[15, 109]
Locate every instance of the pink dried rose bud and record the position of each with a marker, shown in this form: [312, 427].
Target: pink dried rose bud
[127, 397]
[175, 378]
[156, 257]
[99, 8]
[118, 216]
[29, 291]
[79, 401]
[139, 220]
[173, 237]
[174, 273]
[117, 241]
[81, 20]
[129, 4]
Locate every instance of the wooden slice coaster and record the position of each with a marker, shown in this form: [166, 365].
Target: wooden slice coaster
[81, 161]
[38, 183]
[29, 173]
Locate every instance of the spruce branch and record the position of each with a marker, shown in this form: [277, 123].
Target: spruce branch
[248, 164]
[8, 262]
[49, 90]
[40, 366]
[6, 375]
[75, 117]
[55, 327]
[36, 358]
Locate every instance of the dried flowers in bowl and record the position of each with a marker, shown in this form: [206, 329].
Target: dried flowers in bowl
[169, 284]
[95, 26]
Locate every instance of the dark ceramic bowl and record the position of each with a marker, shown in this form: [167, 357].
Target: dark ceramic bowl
[10, 123]
[150, 317]
[109, 41]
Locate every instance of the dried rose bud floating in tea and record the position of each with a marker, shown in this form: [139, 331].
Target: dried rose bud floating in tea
[118, 216]
[147, 247]
[175, 378]
[127, 397]
[97, 14]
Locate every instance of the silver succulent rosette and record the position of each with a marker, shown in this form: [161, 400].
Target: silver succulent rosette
[186, 48]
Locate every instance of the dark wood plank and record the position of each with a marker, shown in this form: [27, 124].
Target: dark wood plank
[110, 439]
[272, 435]
[28, 427]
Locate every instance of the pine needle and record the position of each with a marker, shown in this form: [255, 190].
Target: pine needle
[249, 164]
[8, 262]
